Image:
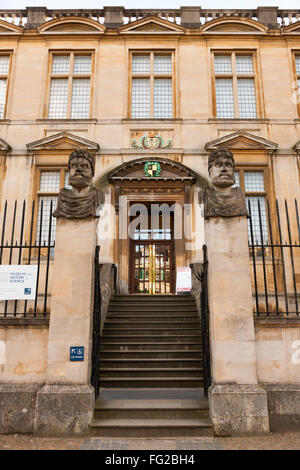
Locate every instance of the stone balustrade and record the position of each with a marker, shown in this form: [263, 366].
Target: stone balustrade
[189, 16]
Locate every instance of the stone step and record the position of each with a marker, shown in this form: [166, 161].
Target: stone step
[149, 428]
[149, 308]
[126, 346]
[111, 325]
[151, 354]
[150, 338]
[152, 298]
[151, 331]
[120, 362]
[151, 409]
[151, 382]
[151, 372]
[155, 316]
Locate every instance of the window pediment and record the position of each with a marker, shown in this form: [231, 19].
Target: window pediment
[234, 25]
[8, 28]
[153, 25]
[62, 141]
[72, 25]
[292, 28]
[242, 140]
[296, 147]
[4, 146]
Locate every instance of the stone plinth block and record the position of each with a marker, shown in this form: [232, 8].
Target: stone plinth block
[284, 406]
[238, 409]
[17, 407]
[64, 410]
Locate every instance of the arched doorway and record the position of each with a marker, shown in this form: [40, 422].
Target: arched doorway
[152, 198]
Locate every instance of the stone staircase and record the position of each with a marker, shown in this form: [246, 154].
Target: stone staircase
[151, 373]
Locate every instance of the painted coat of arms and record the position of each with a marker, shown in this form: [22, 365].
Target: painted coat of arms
[152, 169]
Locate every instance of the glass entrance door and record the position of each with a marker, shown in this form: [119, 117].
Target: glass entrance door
[152, 267]
[152, 257]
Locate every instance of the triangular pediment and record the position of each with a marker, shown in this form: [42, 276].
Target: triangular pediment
[151, 24]
[9, 28]
[71, 25]
[62, 141]
[4, 146]
[241, 140]
[234, 25]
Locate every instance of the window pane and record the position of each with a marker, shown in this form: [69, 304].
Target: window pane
[50, 181]
[140, 100]
[60, 64]
[82, 64]
[81, 98]
[254, 181]
[163, 102]
[224, 98]
[58, 98]
[244, 64]
[162, 64]
[67, 186]
[4, 64]
[2, 96]
[259, 224]
[237, 180]
[141, 64]
[246, 97]
[223, 64]
[298, 64]
[46, 200]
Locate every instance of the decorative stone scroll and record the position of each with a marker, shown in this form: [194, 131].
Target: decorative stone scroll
[83, 199]
[221, 199]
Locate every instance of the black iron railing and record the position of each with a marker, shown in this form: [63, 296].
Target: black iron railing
[95, 375]
[200, 271]
[274, 245]
[22, 243]
[205, 323]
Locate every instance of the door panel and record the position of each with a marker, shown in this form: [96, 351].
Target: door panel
[152, 267]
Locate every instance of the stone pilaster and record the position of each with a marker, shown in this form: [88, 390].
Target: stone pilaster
[238, 404]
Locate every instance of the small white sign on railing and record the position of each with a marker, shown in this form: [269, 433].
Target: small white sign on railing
[183, 279]
[18, 282]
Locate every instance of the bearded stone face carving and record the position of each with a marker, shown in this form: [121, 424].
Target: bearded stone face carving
[220, 199]
[83, 199]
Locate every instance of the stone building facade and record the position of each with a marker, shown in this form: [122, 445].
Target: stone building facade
[150, 94]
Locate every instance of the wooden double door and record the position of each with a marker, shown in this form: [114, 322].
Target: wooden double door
[152, 267]
[152, 260]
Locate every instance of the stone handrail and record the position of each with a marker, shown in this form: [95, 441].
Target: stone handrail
[107, 287]
[196, 269]
[117, 16]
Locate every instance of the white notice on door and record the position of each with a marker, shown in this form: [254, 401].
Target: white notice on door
[18, 282]
[183, 279]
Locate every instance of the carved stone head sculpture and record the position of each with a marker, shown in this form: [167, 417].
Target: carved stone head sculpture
[220, 199]
[83, 199]
[81, 169]
[221, 168]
